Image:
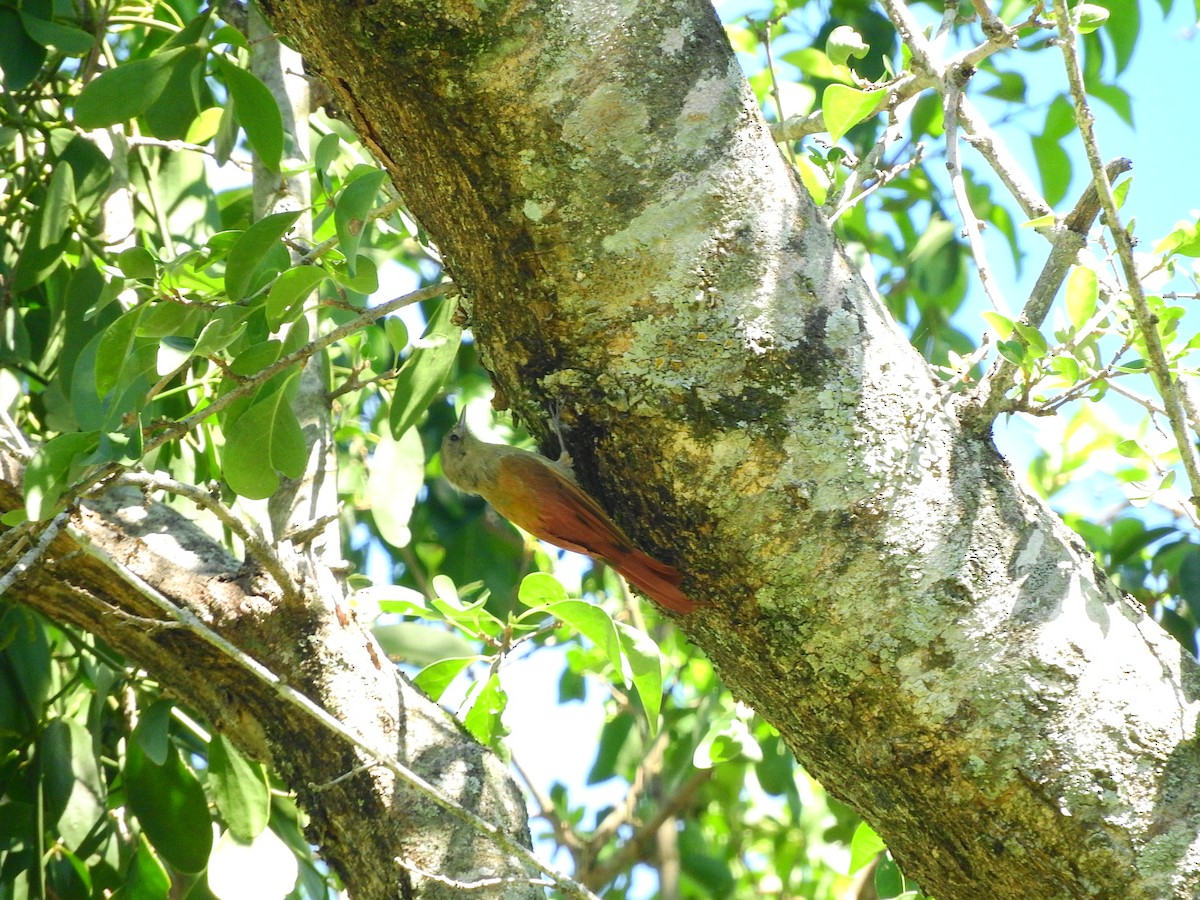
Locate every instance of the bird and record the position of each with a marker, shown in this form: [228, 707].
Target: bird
[540, 496]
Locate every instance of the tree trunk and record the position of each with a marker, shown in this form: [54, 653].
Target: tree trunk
[933, 643]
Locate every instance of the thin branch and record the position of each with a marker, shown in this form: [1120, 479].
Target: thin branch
[623, 812]
[1159, 366]
[564, 835]
[34, 553]
[295, 698]
[952, 103]
[477, 885]
[1069, 238]
[631, 851]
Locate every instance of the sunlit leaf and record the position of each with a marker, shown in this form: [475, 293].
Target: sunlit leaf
[425, 371]
[350, 213]
[240, 789]
[844, 107]
[126, 91]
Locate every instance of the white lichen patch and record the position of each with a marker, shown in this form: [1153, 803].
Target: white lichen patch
[710, 99]
[611, 120]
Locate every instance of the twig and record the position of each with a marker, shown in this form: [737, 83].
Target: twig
[630, 851]
[952, 103]
[255, 381]
[564, 835]
[623, 812]
[1160, 368]
[478, 885]
[34, 553]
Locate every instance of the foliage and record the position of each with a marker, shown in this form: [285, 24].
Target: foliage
[175, 348]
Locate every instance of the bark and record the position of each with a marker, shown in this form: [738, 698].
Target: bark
[121, 548]
[933, 643]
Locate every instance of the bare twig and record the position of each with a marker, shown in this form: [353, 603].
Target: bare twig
[477, 885]
[952, 102]
[631, 851]
[34, 553]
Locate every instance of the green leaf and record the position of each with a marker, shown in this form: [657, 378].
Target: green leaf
[844, 107]
[240, 789]
[425, 371]
[1083, 291]
[646, 666]
[52, 471]
[146, 876]
[66, 39]
[540, 589]
[126, 91]
[38, 261]
[256, 111]
[153, 732]
[1001, 325]
[814, 179]
[171, 115]
[436, 677]
[1130, 449]
[1053, 162]
[397, 476]
[263, 443]
[1033, 338]
[1089, 17]
[326, 153]
[226, 326]
[421, 645]
[21, 56]
[364, 281]
[397, 332]
[116, 346]
[864, 847]
[843, 43]
[350, 213]
[137, 262]
[56, 208]
[169, 803]
[727, 739]
[483, 719]
[251, 249]
[77, 812]
[286, 298]
[594, 624]
[617, 741]
[1040, 221]
[1184, 239]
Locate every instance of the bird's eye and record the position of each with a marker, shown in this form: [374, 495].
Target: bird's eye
[453, 437]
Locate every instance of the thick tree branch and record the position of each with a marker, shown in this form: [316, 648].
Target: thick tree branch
[930, 640]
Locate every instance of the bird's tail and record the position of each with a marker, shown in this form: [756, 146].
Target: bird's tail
[656, 580]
